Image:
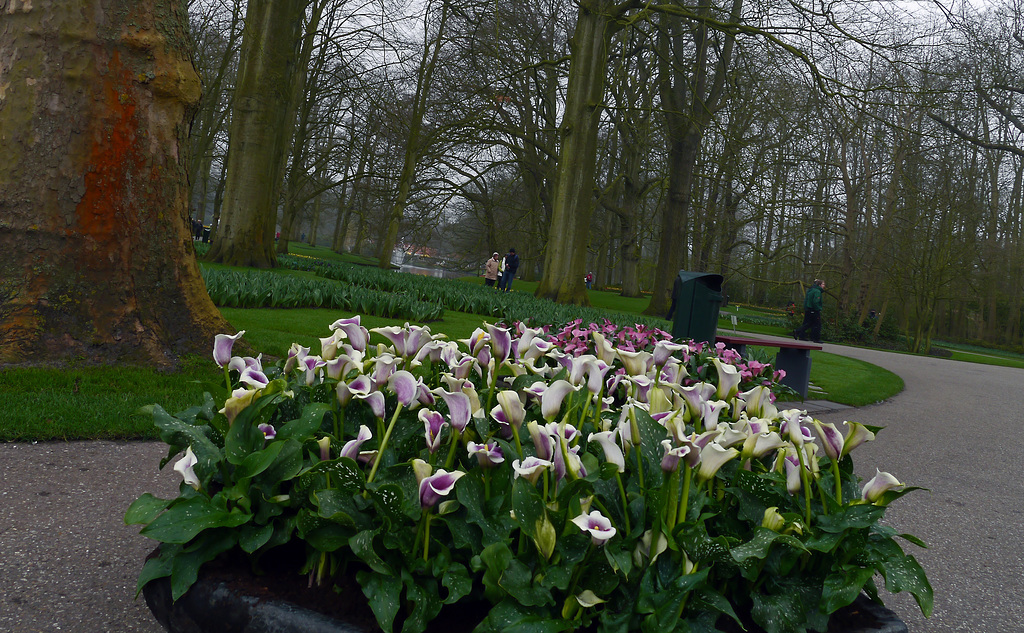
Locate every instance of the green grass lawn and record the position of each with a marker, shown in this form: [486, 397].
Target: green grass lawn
[93, 402]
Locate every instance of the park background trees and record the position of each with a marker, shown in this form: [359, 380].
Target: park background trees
[764, 140]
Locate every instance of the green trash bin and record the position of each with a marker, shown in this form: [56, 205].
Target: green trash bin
[696, 298]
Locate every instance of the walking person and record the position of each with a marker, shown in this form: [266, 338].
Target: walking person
[812, 313]
[511, 264]
[589, 280]
[491, 270]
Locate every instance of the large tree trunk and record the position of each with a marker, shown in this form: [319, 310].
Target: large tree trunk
[261, 127]
[98, 259]
[566, 253]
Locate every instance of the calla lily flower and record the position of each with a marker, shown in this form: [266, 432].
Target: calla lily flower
[512, 407]
[773, 520]
[405, 387]
[878, 485]
[793, 430]
[597, 369]
[357, 335]
[599, 526]
[433, 423]
[437, 486]
[351, 447]
[459, 408]
[325, 447]
[663, 351]
[239, 400]
[384, 365]
[757, 402]
[636, 363]
[612, 451]
[728, 379]
[295, 353]
[588, 598]
[603, 348]
[792, 463]
[762, 444]
[530, 468]
[268, 431]
[732, 434]
[551, 401]
[360, 386]
[709, 412]
[673, 454]
[185, 466]
[475, 341]
[695, 395]
[253, 378]
[222, 344]
[488, 455]
[712, 458]
[858, 435]
[500, 340]
[543, 444]
[831, 439]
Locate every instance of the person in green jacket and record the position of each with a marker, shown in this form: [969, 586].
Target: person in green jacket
[812, 313]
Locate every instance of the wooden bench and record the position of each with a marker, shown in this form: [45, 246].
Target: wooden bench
[794, 357]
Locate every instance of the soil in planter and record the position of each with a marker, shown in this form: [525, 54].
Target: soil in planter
[849, 618]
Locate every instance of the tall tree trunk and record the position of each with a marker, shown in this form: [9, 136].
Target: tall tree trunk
[573, 204]
[413, 145]
[98, 259]
[261, 129]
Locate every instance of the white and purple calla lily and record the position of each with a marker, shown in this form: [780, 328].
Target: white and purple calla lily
[185, 467]
[351, 447]
[792, 427]
[757, 402]
[857, 435]
[459, 408]
[612, 451]
[268, 431]
[709, 412]
[551, 401]
[357, 334]
[295, 353]
[512, 408]
[531, 468]
[383, 366]
[500, 340]
[324, 443]
[239, 400]
[636, 363]
[728, 379]
[878, 486]
[697, 394]
[686, 453]
[597, 525]
[433, 424]
[253, 378]
[222, 344]
[712, 457]
[831, 439]
[435, 487]
[663, 351]
[792, 464]
[405, 386]
[763, 443]
[603, 348]
[543, 443]
[488, 455]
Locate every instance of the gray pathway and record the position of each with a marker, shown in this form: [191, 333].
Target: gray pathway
[67, 562]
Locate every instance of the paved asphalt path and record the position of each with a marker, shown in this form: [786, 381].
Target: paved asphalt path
[68, 563]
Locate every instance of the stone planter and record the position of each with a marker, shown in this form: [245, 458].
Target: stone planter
[213, 605]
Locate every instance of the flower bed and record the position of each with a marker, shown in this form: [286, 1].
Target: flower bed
[597, 486]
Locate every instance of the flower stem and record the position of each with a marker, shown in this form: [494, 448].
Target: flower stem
[384, 444]
[426, 535]
[839, 482]
[625, 503]
[685, 498]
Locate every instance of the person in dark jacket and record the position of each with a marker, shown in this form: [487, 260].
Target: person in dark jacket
[511, 265]
[812, 313]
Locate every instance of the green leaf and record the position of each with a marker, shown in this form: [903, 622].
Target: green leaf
[259, 461]
[906, 574]
[362, 546]
[843, 586]
[145, 509]
[185, 566]
[307, 425]
[285, 467]
[761, 543]
[244, 438]
[183, 520]
[157, 567]
[527, 505]
[518, 581]
[383, 593]
[457, 581]
[778, 613]
[426, 604]
[253, 537]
